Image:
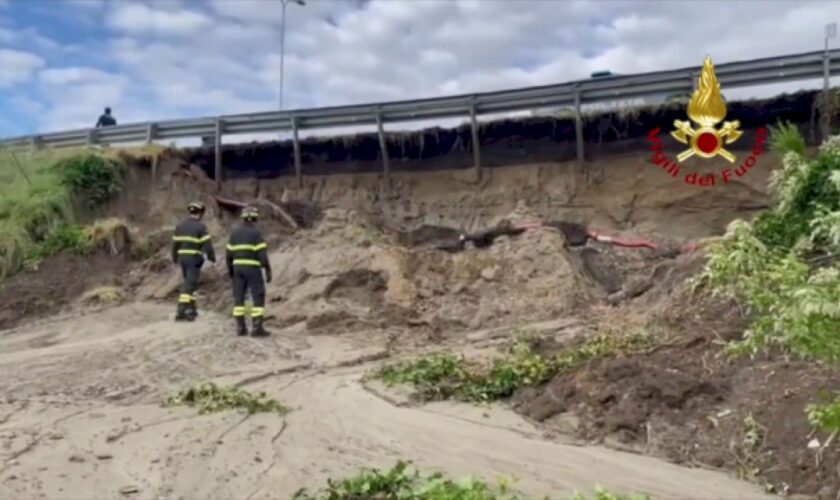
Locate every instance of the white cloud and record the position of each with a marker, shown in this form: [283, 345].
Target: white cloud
[17, 66]
[138, 18]
[75, 75]
[173, 59]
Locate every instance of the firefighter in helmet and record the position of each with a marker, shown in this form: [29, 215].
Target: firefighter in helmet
[247, 259]
[190, 244]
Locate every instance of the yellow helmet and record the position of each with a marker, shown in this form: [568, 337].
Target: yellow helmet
[250, 214]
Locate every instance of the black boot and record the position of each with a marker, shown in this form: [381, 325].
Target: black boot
[241, 329]
[191, 311]
[181, 312]
[258, 330]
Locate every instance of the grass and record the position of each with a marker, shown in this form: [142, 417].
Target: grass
[446, 376]
[826, 416]
[401, 482]
[210, 398]
[40, 195]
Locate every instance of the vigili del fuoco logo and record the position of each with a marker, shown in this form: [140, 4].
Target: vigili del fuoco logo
[705, 139]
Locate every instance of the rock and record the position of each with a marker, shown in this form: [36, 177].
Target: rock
[104, 456]
[490, 273]
[128, 490]
[77, 459]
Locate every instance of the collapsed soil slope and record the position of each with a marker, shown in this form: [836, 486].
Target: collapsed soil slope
[354, 273]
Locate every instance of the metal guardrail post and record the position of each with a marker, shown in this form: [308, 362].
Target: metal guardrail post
[383, 146]
[91, 137]
[296, 146]
[579, 128]
[218, 155]
[150, 133]
[476, 140]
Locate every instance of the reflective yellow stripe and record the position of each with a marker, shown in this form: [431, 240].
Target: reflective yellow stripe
[191, 239]
[238, 312]
[187, 251]
[246, 262]
[256, 312]
[247, 248]
[185, 298]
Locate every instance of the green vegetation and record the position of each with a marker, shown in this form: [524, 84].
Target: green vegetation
[210, 398]
[769, 266]
[783, 267]
[39, 193]
[402, 483]
[444, 376]
[825, 417]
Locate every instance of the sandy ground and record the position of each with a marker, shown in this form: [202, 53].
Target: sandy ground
[81, 418]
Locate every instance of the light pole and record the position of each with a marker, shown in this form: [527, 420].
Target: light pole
[830, 32]
[282, 41]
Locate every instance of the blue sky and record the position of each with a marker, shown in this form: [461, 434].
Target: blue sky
[62, 61]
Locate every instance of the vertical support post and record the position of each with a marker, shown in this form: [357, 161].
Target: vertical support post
[296, 146]
[383, 146]
[579, 129]
[36, 143]
[91, 137]
[826, 109]
[150, 133]
[218, 155]
[476, 141]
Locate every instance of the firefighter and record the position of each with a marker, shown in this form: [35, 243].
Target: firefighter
[190, 244]
[247, 259]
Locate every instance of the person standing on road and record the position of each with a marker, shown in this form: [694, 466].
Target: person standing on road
[106, 120]
[247, 258]
[190, 244]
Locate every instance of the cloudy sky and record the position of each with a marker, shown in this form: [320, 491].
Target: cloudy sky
[62, 61]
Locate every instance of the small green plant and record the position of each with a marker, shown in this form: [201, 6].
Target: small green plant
[210, 398]
[786, 137]
[445, 376]
[401, 482]
[825, 417]
[68, 237]
[404, 483]
[602, 494]
[93, 179]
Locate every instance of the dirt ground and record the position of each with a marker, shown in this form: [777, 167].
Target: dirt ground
[82, 390]
[90, 422]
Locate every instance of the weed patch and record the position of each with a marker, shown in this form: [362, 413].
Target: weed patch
[403, 482]
[445, 376]
[210, 398]
[825, 417]
[38, 195]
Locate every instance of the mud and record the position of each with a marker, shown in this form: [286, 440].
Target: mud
[688, 403]
[91, 424]
[55, 284]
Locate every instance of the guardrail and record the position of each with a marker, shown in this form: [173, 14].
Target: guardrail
[736, 74]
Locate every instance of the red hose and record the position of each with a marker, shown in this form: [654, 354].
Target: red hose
[623, 242]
